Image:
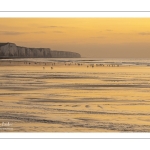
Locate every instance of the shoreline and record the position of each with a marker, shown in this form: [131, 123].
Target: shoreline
[71, 63]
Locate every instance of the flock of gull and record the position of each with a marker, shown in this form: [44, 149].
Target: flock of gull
[77, 64]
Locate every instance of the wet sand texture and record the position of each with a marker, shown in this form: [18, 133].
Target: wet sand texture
[48, 97]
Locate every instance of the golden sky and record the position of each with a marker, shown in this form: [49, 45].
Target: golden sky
[91, 37]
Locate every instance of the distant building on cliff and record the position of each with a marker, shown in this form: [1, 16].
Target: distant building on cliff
[11, 50]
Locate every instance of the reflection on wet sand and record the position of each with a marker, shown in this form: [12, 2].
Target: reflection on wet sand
[71, 97]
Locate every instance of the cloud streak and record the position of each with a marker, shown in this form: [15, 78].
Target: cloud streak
[144, 33]
[100, 37]
[38, 32]
[57, 32]
[11, 33]
[19, 33]
[52, 27]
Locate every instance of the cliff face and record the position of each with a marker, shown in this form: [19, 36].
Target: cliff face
[10, 50]
[34, 52]
[64, 54]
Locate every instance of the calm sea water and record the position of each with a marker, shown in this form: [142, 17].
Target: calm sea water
[123, 61]
[76, 98]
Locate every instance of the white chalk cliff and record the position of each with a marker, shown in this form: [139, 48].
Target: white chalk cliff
[64, 54]
[11, 50]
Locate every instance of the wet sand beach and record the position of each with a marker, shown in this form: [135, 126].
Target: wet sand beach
[73, 96]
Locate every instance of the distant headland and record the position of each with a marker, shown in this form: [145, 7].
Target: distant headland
[11, 50]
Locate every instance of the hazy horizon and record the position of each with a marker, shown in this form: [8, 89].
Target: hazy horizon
[91, 37]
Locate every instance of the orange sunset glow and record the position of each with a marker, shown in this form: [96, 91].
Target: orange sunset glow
[91, 37]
